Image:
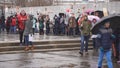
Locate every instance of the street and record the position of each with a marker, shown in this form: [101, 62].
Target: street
[59, 59]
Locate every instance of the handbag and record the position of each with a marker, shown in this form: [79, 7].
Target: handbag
[30, 37]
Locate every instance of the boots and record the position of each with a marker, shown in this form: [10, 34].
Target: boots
[32, 48]
[119, 59]
[27, 48]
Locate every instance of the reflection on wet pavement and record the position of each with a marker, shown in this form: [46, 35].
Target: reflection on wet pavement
[61, 59]
[37, 37]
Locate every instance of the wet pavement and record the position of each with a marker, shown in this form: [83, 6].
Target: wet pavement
[59, 59]
[15, 37]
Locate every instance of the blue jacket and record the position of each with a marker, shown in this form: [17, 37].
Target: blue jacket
[106, 37]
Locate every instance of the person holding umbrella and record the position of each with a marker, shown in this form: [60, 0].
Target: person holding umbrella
[94, 38]
[105, 35]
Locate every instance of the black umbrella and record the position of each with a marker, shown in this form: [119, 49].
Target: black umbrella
[114, 22]
[100, 13]
[61, 14]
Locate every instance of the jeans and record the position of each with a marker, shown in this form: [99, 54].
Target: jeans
[63, 31]
[108, 55]
[27, 42]
[13, 29]
[3, 26]
[72, 31]
[84, 43]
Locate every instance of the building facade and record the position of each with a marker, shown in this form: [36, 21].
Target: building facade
[65, 2]
[4, 4]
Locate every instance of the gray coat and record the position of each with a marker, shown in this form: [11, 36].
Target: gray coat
[28, 26]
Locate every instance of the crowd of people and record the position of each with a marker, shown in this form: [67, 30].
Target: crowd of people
[61, 24]
[26, 25]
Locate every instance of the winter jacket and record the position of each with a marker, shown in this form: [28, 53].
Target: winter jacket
[8, 22]
[56, 23]
[106, 37]
[48, 24]
[13, 22]
[41, 24]
[28, 26]
[34, 23]
[21, 21]
[72, 22]
[85, 27]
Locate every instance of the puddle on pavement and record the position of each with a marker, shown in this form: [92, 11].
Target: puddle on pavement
[68, 66]
[85, 64]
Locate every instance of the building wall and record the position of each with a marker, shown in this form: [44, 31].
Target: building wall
[63, 2]
[113, 7]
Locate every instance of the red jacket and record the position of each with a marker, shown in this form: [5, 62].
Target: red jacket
[21, 21]
[13, 22]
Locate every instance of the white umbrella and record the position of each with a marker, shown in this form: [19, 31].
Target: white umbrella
[91, 17]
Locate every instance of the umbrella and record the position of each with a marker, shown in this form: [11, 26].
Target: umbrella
[91, 17]
[61, 14]
[100, 13]
[89, 11]
[113, 19]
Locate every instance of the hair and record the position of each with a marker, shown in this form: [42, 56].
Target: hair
[107, 22]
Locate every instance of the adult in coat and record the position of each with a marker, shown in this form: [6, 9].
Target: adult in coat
[22, 17]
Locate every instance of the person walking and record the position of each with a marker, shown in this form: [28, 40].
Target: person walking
[85, 26]
[93, 34]
[105, 38]
[28, 33]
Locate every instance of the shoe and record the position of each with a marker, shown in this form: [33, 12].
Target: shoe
[26, 48]
[86, 53]
[32, 48]
[81, 53]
